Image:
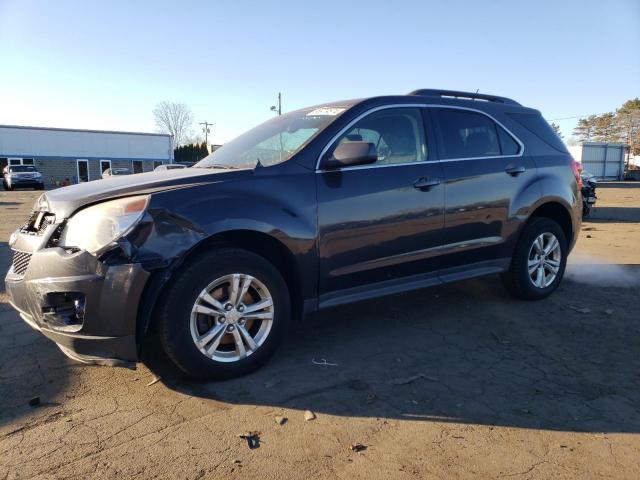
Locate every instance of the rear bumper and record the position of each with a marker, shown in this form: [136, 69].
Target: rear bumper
[576, 220]
[106, 333]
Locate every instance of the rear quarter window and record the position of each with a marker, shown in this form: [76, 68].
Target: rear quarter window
[508, 145]
[468, 134]
[540, 128]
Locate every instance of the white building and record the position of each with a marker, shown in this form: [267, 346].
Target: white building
[71, 156]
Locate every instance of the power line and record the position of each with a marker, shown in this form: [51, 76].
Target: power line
[576, 116]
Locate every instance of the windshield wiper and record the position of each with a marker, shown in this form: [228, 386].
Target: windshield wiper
[220, 165]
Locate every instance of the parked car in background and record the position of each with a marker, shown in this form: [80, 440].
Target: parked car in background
[116, 172]
[169, 166]
[318, 207]
[589, 184]
[21, 176]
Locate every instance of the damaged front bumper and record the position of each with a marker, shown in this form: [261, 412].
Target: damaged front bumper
[87, 307]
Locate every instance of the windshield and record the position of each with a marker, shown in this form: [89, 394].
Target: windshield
[22, 168]
[274, 141]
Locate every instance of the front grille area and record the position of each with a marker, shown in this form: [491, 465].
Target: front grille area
[20, 262]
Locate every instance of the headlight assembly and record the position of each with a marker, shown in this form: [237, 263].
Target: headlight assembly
[41, 205]
[95, 227]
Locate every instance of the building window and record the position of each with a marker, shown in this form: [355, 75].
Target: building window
[83, 171]
[27, 161]
[15, 161]
[156, 164]
[104, 164]
[137, 166]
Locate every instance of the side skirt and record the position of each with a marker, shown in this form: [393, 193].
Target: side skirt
[414, 282]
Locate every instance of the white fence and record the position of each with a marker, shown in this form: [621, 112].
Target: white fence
[604, 160]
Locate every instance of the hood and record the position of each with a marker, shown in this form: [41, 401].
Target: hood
[64, 201]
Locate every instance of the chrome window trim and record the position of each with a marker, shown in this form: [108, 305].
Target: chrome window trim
[414, 105]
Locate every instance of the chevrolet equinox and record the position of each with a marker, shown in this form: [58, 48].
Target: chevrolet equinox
[319, 207]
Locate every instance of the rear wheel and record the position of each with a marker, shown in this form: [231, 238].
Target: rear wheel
[224, 315]
[539, 261]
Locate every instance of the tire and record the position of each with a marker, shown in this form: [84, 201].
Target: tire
[39, 187]
[179, 324]
[519, 280]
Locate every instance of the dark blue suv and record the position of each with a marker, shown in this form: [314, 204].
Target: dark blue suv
[319, 207]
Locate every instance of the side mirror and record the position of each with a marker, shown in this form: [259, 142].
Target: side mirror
[349, 154]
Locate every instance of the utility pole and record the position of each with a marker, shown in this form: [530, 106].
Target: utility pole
[206, 131]
[278, 108]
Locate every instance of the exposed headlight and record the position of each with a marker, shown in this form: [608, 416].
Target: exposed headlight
[95, 227]
[42, 204]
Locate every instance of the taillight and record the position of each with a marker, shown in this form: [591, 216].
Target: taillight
[577, 169]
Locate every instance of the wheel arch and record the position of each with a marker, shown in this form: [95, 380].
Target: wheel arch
[260, 243]
[558, 212]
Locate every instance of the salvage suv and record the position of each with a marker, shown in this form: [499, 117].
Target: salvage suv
[319, 207]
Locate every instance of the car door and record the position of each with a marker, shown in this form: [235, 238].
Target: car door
[484, 170]
[380, 222]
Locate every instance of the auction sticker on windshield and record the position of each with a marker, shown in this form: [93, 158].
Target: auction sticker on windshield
[328, 111]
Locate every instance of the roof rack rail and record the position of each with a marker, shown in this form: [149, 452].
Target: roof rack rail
[430, 92]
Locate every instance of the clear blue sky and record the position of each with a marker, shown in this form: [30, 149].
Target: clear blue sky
[105, 64]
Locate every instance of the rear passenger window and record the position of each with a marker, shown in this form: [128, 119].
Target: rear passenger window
[467, 134]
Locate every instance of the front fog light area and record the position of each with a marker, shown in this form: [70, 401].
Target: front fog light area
[95, 227]
[64, 311]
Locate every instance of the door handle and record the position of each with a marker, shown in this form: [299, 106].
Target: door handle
[514, 170]
[425, 183]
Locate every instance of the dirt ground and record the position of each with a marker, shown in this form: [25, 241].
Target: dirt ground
[452, 382]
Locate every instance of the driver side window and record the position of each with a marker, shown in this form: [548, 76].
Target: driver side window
[397, 134]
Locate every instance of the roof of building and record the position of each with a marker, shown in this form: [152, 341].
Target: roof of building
[26, 127]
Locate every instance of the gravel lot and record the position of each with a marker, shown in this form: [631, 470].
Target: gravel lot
[453, 382]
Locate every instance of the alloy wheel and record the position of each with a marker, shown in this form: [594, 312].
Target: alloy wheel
[232, 317]
[544, 260]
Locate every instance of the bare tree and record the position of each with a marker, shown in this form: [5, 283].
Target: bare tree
[173, 118]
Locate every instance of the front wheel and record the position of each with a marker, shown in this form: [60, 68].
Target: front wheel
[224, 315]
[539, 260]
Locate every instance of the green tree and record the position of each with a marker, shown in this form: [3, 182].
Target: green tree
[191, 152]
[606, 128]
[628, 121]
[204, 151]
[556, 128]
[585, 128]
